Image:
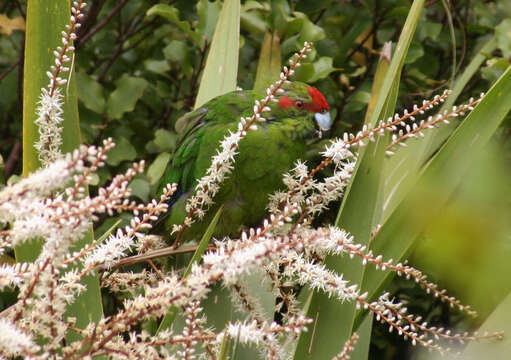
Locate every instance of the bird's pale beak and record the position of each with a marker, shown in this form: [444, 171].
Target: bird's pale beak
[323, 120]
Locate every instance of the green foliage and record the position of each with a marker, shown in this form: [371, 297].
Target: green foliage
[128, 91]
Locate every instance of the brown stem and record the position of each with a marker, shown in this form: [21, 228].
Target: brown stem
[13, 159]
[10, 68]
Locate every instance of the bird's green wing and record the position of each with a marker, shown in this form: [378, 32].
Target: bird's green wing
[200, 132]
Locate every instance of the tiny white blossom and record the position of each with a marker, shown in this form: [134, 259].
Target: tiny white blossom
[13, 341]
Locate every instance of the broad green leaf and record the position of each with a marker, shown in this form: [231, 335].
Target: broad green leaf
[90, 92]
[310, 31]
[221, 70]
[197, 256]
[172, 14]
[314, 71]
[304, 72]
[165, 140]
[176, 51]
[125, 96]
[122, 151]
[140, 188]
[415, 52]
[499, 320]
[157, 66]
[429, 30]
[208, 16]
[503, 37]
[322, 68]
[361, 351]
[269, 65]
[444, 171]
[253, 22]
[357, 214]
[157, 168]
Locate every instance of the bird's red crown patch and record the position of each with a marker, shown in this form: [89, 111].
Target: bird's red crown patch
[318, 103]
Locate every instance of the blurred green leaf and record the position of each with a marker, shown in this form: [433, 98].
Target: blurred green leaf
[322, 68]
[415, 52]
[429, 30]
[499, 321]
[176, 51]
[140, 188]
[208, 15]
[403, 168]
[312, 72]
[157, 168]
[157, 66]
[165, 140]
[124, 98]
[503, 37]
[310, 31]
[122, 151]
[253, 22]
[90, 92]
[172, 14]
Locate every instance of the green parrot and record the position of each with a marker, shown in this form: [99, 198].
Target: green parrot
[299, 114]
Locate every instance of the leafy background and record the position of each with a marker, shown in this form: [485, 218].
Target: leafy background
[139, 66]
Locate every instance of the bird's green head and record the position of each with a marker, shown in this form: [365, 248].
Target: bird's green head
[302, 100]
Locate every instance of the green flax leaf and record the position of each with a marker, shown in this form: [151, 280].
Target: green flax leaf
[221, 69]
[499, 320]
[268, 67]
[42, 36]
[403, 168]
[201, 249]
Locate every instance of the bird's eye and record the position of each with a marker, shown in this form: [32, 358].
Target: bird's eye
[299, 104]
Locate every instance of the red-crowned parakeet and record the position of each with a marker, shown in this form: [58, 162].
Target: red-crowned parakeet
[265, 154]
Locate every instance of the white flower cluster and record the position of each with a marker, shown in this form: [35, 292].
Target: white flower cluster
[312, 195]
[49, 121]
[14, 342]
